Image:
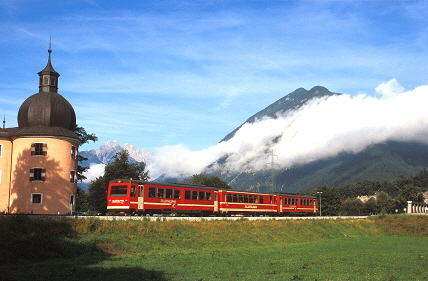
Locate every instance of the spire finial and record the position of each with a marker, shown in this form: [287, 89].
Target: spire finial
[50, 42]
[4, 120]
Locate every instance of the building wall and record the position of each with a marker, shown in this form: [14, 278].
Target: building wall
[6, 148]
[55, 190]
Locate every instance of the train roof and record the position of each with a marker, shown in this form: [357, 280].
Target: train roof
[294, 194]
[209, 187]
[165, 183]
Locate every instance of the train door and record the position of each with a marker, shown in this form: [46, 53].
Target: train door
[141, 198]
[215, 201]
[280, 201]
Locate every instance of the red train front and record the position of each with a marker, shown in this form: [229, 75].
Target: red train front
[141, 197]
[131, 196]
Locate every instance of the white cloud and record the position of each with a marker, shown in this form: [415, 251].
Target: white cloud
[389, 89]
[94, 171]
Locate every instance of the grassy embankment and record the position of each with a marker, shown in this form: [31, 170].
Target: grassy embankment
[381, 248]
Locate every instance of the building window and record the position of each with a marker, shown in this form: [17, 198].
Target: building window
[36, 198]
[0, 175]
[72, 199]
[1, 150]
[39, 148]
[74, 152]
[73, 177]
[37, 174]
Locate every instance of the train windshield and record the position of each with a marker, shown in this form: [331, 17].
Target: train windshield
[118, 190]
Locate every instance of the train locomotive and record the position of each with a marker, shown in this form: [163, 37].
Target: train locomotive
[149, 198]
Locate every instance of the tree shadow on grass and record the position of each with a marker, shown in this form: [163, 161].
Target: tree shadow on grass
[33, 248]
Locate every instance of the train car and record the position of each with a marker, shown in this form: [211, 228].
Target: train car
[246, 202]
[142, 197]
[292, 204]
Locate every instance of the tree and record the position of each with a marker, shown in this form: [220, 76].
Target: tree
[81, 200]
[330, 200]
[409, 192]
[120, 168]
[370, 206]
[212, 181]
[81, 197]
[352, 207]
[384, 203]
[84, 138]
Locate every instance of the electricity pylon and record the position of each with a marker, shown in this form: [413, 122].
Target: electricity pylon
[273, 170]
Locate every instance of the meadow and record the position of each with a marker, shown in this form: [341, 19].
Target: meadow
[378, 248]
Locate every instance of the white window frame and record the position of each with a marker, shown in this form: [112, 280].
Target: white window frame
[74, 152]
[42, 175]
[1, 150]
[32, 201]
[1, 173]
[44, 149]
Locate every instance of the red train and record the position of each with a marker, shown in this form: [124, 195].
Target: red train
[142, 197]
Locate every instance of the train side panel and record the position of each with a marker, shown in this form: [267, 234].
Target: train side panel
[243, 202]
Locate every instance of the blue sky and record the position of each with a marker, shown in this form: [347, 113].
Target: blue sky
[159, 73]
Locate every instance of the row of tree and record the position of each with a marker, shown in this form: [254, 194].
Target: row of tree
[383, 196]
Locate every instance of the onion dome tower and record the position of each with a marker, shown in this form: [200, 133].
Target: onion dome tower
[43, 151]
[47, 112]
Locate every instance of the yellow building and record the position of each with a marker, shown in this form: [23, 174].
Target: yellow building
[38, 159]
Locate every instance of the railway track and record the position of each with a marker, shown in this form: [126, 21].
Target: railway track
[234, 218]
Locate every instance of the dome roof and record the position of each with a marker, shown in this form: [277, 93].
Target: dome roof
[47, 109]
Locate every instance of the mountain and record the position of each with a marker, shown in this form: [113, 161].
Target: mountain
[104, 154]
[290, 102]
[384, 161]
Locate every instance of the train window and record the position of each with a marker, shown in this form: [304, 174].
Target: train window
[256, 199]
[251, 199]
[201, 195]
[133, 190]
[187, 194]
[270, 200]
[235, 197]
[229, 198]
[118, 190]
[245, 198]
[241, 198]
[161, 192]
[152, 192]
[261, 200]
[176, 193]
[168, 193]
[194, 195]
[208, 196]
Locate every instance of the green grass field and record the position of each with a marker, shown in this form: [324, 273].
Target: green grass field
[380, 248]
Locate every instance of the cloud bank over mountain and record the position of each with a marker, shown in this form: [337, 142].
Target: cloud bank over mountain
[322, 128]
